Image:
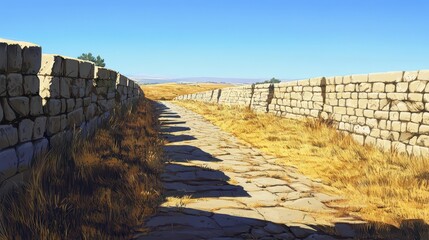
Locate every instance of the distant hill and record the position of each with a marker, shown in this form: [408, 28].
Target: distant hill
[155, 80]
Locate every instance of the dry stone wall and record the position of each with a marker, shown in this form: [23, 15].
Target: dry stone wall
[45, 97]
[389, 110]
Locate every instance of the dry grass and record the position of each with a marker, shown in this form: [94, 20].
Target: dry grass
[380, 187]
[100, 188]
[168, 91]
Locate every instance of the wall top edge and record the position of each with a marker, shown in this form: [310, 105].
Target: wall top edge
[20, 43]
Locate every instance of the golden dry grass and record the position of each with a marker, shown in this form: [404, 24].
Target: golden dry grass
[168, 91]
[100, 188]
[379, 187]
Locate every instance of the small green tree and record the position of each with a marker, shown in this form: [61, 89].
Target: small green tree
[89, 57]
[272, 80]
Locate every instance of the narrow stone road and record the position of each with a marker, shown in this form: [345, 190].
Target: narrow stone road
[218, 187]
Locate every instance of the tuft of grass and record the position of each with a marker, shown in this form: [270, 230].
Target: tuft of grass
[168, 91]
[97, 188]
[379, 187]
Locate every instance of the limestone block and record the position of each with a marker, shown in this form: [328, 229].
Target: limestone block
[8, 163]
[416, 117]
[20, 105]
[8, 136]
[423, 140]
[399, 147]
[86, 69]
[49, 87]
[39, 128]
[349, 87]
[121, 80]
[339, 88]
[52, 107]
[394, 116]
[378, 87]
[397, 96]
[63, 122]
[370, 141]
[75, 118]
[70, 104]
[31, 59]
[79, 103]
[31, 85]
[384, 144]
[41, 147]
[410, 76]
[368, 113]
[417, 86]
[3, 84]
[14, 84]
[402, 87]
[71, 67]
[3, 57]
[362, 78]
[358, 138]
[52, 65]
[86, 101]
[25, 153]
[63, 105]
[363, 130]
[386, 77]
[14, 58]
[25, 130]
[423, 75]
[425, 119]
[405, 116]
[424, 129]
[413, 127]
[416, 97]
[36, 108]
[352, 103]
[65, 85]
[89, 85]
[102, 73]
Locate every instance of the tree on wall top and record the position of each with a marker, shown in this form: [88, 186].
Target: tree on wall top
[272, 80]
[89, 57]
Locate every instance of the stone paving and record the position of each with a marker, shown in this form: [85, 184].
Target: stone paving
[218, 187]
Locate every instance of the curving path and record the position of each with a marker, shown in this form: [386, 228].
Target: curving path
[218, 187]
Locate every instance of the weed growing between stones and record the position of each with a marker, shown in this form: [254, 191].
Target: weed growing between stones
[99, 188]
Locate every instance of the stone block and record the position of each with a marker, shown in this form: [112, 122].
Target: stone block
[79, 103]
[65, 85]
[8, 113]
[384, 144]
[52, 107]
[41, 147]
[63, 105]
[71, 67]
[378, 87]
[423, 75]
[402, 87]
[386, 77]
[21, 105]
[50, 87]
[63, 122]
[31, 59]
[102, 73]
[15, 84]
[3, 85]
[70, 104]
[8, 163]
[8, 136]
[3, 57]
[410, 76]
[423, 140]
[415, 97]
[363, 130]
[53, 125]
[14, 58]
[25, 130]
[39, 127]
[36, 108]
[52, 65]
[417, 86]
[25, 153]
[75, 118]
[31, 85]
[413, 127]
[86, 69]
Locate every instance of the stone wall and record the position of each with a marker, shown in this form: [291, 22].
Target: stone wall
[45, 97]
[389, 110]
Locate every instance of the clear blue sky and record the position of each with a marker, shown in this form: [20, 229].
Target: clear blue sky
[230, 38]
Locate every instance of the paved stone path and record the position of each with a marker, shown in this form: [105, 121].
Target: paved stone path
[218, 187]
